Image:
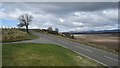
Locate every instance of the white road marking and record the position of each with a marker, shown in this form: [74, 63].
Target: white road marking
[100, 50]
[84, 49]
[89, 50]
[112, 58]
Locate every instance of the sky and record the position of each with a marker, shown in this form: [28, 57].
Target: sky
[66, 16]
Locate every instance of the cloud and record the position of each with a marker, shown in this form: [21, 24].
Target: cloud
[14, 15]
[66, 16]
[78, 24]
[61, 20]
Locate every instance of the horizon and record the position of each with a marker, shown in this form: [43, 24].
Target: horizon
[76, 16]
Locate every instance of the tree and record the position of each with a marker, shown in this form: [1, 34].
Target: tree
[56, 30]
[72, 37]
[25, 20]
[50, 29]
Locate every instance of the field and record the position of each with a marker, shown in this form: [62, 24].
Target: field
[12, 35]
[42, 55]
[107, 40]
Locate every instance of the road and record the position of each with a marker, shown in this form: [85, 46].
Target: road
[105, 58]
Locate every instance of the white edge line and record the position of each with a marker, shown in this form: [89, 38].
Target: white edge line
[85, 56]
[90, 58]
[99, 50]
[112, 58]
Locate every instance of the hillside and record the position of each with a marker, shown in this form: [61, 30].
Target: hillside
[96, 32]
[10, 35]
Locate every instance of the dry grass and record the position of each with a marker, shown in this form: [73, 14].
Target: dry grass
[9, 35]
[106, 40]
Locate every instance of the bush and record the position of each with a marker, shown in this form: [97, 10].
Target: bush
[66, 34]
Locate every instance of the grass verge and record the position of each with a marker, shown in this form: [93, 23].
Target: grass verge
[22, 54]
[12, 35]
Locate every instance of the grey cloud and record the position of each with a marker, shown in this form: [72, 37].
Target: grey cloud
[62, 7]
[47, 13]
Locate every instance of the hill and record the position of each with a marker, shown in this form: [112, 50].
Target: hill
[10, 35]
[96, 32]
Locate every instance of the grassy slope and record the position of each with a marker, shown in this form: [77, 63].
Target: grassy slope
[42, 55]
[10, 35]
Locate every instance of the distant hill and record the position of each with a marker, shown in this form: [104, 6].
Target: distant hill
[96, 32]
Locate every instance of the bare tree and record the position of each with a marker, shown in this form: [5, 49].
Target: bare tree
[25, 20]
